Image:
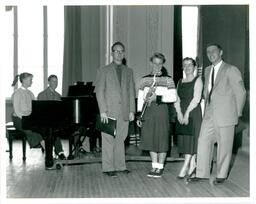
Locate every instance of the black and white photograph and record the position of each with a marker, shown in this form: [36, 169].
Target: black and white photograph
[127, 101]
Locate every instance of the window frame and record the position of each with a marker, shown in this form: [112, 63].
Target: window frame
[45, 67]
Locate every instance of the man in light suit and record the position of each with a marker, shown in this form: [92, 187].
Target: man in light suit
[224, 94]
[115, 94]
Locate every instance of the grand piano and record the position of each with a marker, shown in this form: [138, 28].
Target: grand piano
[78, 109]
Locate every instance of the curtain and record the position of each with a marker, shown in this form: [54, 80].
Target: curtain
[199, 58]
[177, 44]
[72, 59]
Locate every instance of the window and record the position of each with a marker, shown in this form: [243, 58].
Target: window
[30, 44]
[55, 15]
[25, 35]
[189, 31]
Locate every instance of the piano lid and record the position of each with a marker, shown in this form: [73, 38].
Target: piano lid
[47, 114]
[46, 108]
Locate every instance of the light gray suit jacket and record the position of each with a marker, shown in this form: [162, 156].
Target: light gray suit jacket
[228, 95]
[111, 96]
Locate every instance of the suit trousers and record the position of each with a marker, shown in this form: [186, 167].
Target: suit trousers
[113, 150]
[57, 139]
[211, 133]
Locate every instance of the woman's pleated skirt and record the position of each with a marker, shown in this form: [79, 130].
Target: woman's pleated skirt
[155, 131]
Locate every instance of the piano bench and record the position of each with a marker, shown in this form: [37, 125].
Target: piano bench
[14, 134]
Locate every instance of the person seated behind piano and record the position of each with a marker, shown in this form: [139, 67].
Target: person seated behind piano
[50, 93]
[22, 105]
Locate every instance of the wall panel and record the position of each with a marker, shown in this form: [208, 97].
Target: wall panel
[144, 30]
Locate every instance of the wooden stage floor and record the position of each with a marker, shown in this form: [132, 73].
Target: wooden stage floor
[31, 180]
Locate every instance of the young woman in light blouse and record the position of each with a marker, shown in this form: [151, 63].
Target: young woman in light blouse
[22, 106]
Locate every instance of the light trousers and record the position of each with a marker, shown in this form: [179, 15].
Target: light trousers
[210, 134]
[113, 149]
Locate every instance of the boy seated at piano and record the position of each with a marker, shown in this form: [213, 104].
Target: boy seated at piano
[22, 106]
[50, 94]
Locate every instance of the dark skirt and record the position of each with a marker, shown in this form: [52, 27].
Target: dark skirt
[155, 131]
[187, 144]
[33, 138]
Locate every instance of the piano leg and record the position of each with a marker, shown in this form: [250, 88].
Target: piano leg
[48, 150]
[70, 156]
[70, 144]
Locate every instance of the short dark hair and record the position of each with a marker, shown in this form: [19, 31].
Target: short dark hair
[52, 76]
[214, 44]
[117, 43]
[191, 59]
[21, 76]
[159, 56]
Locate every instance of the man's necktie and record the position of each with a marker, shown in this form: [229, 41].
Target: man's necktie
[212, 84]
[119, 73]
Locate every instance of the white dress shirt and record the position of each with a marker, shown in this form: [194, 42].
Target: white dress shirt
[216, 69]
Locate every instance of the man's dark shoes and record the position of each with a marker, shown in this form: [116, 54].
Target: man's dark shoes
[126, 171]
[50, 167]
[62, 156]
[110, 173]
[218, 181]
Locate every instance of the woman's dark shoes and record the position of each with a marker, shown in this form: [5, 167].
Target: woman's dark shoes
[151, 173]
[39, 146]
[196, 179]
[158, 173]
[181, 177]
[218, 181]
[192, 174]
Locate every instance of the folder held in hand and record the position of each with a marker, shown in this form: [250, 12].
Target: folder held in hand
[109, 128]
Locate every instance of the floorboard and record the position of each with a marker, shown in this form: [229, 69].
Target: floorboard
[30, 180]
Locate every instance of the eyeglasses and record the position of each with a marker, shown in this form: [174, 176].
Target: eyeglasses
[119, 51]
